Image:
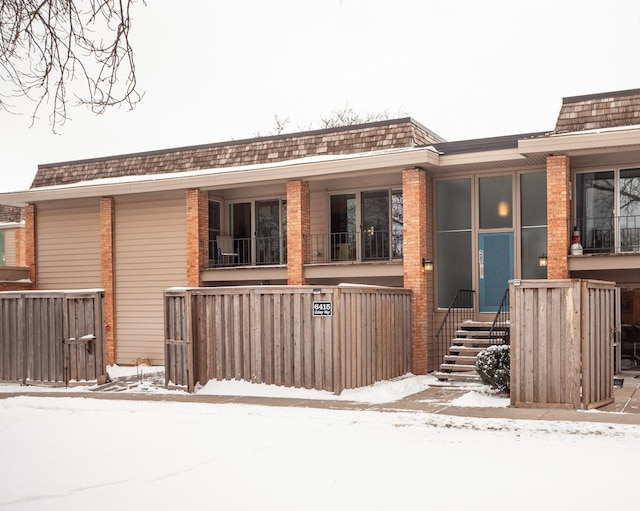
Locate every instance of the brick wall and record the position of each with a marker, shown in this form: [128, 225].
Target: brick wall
[197, 235]
[107, 219]
[298, 230]
[414, 191]
[558, 216]
[21, 248]
[16, 286]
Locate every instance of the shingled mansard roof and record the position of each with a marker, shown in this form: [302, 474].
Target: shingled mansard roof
[390, 134]
[11, 214]
[599, 111]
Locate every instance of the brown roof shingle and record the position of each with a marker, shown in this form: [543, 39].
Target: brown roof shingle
[380, 135]
[11, 214]
[598, 111]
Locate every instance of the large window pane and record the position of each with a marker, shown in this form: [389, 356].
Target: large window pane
[534, 244]
[397, 223]
[534, 199]
[533, 204]
[240, 222]
[343, 227]
[595, 199]
[496, 205]
[214, 226]
[454, 265]
[630, 209]
[454, 258]
[268, 231]
[375, 224]
[454, 204]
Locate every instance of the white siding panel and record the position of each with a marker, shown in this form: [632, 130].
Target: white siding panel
[150, 256]
[68, 245]
[10, 247]
[319, 216]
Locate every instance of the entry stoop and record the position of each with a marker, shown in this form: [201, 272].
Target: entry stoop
[470, 339]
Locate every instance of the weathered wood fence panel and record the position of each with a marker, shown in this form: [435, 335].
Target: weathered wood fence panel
[269, 334]
[561, 343]
[52, 336]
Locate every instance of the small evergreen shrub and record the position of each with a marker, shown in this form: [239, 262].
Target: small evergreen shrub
[493, 366]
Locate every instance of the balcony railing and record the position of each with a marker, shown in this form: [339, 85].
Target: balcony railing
[249, 252]
[369, 245]
[608, 235]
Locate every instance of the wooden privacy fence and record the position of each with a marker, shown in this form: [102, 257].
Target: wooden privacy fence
[328, 338]
[562, 335]
[51, 336]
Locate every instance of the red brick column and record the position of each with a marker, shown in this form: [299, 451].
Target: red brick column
[414, 192]
[30, 238]
[558, 216]
[197, 235]
[21, 247]
[298, 230]
[107, 228]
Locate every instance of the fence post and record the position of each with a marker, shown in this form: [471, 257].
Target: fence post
[188, 304]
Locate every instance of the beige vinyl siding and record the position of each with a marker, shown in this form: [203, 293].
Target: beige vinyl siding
[150, 256]
[10, 247]
[68, 245]
[319, 215]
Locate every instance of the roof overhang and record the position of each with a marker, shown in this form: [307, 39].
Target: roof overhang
[581, 142]
[309, 169]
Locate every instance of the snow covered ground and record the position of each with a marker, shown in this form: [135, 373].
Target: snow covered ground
[80, 453]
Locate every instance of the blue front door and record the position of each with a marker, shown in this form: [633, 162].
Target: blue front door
[495, 259]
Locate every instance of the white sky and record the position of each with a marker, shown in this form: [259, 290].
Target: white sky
[213, 71]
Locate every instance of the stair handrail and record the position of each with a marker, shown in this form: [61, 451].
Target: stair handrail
[460, 309]
[501, 320]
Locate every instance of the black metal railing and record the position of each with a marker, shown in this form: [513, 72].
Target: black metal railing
[500, 328]
[607, 234]
[460, 310]
[368, 245]
[263, 251]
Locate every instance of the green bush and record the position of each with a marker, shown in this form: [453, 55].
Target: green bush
[493, 366]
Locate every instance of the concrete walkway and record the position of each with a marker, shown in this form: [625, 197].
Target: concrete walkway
[434, 400]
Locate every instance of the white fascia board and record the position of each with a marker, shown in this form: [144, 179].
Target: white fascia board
[580, 141]
[305, 168]
[480, 157]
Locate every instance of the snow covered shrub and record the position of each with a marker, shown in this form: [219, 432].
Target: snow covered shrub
[493, 366]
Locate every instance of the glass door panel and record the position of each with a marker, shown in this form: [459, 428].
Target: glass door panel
[630, 210]
[595, 206]
[268, 232]
[375, 225]
[240, 227]
[343, 227]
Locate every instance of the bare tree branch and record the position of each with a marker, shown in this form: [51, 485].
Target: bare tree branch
[50, 49]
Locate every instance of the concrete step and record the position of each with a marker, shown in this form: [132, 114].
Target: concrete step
[466, 351]
[473, 342]
[464, 377]
[457, 368]
[461, 359]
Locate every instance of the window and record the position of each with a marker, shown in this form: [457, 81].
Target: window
[3, 259]
[343, 227]
[454, 269]
[259, 229]
[608, 210]
[366, 225]
[214, 227]
[533, 212]
[496, 204]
